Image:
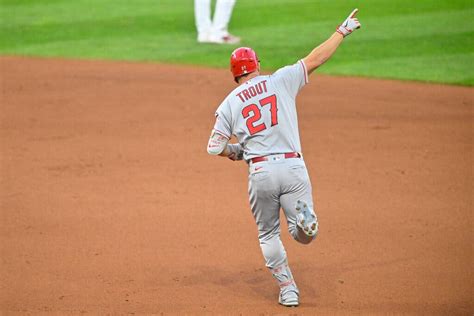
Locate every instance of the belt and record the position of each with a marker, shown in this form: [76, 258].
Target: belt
[264, 158]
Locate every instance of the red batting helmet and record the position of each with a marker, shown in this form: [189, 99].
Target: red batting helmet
[243, 61]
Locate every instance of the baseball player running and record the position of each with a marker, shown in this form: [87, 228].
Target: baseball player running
[261, 114]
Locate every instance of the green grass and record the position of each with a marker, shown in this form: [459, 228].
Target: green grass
[402, 39]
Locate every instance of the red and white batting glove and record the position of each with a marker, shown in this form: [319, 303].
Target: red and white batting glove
[349, 25]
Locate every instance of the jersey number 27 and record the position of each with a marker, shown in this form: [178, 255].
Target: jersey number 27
[252, 113]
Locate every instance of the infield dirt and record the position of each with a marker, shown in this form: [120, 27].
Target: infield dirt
[111, 204]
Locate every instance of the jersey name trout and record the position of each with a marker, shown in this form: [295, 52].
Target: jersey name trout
[250, 92]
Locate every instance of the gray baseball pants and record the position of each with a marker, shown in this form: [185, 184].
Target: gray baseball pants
[274, 184]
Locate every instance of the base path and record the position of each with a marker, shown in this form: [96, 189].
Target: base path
[110, 203]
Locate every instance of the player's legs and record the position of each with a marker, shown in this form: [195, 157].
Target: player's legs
[297, 194]
[265, 204]
[222, 15]
[264, 192]
[202, 14]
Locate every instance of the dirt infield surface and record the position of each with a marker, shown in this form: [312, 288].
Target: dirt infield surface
[111, 204]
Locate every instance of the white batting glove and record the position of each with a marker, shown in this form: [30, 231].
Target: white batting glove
[236, 152]
[349, 25]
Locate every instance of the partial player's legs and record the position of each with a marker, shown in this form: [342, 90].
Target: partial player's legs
[221, 19]
[264, 192]
[202, 14]
[214, 32]
[297, 202]
[265, 204]
[289, 293]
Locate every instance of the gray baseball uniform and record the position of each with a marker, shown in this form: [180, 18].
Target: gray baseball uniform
[261, 113]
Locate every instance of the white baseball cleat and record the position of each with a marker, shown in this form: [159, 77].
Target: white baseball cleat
[289, 297]
[226, 39]
[203, 38]
[289, 293]
[214, 39]
[306, 219]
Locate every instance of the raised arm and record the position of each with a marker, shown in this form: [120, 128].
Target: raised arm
[323, 52]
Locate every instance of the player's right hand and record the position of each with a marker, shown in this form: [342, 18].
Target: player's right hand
[349, 25]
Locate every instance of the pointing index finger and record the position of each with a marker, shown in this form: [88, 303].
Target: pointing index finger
[353, 14]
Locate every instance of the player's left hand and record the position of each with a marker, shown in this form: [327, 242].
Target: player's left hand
[349, 25]
[236, 152]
